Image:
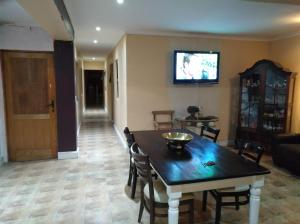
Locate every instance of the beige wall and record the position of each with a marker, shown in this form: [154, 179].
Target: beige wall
[287, 53]
[119, 103]
[149, 81]
[94, 65]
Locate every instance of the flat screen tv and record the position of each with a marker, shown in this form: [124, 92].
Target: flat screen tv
[192, 67]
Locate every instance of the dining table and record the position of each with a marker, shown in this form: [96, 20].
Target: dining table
[201, 165]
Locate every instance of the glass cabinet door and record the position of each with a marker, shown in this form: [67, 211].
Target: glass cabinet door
[276, 93]
[244, 104]
[250, 99]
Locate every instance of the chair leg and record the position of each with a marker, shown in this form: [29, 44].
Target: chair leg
[204, 200]
[218, 211]
[129, 176]
[191, 214]
[133, 186]
[237, 205]
[152, 216]
[141, 210]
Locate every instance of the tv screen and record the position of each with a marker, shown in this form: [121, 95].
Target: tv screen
[196, 67]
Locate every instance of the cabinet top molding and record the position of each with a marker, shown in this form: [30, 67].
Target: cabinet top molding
[266, 64]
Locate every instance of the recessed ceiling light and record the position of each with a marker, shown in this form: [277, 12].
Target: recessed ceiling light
[95, 41]
[93, 59]
[98, 28]
[120, 1]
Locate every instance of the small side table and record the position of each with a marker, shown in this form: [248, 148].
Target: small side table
[183, 123]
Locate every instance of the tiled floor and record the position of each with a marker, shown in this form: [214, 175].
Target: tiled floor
[92, 188]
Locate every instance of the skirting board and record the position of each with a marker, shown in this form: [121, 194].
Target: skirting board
[68, 155]
[226, 142]
[121, 137]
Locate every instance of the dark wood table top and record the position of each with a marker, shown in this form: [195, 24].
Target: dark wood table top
[189, 165]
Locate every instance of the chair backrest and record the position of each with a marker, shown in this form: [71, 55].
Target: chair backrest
[129, 137]
[163, 119]
[209, 132]
[142, 164]
[251, 151]
[168, 113]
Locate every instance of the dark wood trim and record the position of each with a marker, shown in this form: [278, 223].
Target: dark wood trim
[65, 16]
[275, 66]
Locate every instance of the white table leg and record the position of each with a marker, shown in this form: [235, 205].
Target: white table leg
[255, 192]
[173, 212]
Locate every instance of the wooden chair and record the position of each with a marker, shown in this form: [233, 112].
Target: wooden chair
[209, 132]
[159, 122]
[132, 174]
[238, 192]
[153, 192]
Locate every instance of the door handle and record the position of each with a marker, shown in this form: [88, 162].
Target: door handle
[51, 105]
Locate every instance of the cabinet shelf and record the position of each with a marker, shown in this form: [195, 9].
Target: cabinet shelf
[276, 88]
[274, 104]
[273, 118]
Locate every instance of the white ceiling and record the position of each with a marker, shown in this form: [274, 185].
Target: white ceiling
[11, 13]
[240, 18]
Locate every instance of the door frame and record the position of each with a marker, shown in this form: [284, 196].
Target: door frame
[103, 85]
[6, 153]
[4, 150]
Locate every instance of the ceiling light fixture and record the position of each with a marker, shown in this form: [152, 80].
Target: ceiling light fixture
[98, 28]
[120, 2]
[95, 41]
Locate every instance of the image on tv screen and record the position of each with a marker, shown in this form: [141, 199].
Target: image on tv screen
[196, 66]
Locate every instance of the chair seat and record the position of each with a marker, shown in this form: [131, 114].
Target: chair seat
[160, 194]
[234, 189]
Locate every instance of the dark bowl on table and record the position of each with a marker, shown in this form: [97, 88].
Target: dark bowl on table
[177, 140]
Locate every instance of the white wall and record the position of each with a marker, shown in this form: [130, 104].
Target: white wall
[25, 38]
[19, 38]
[94, 65]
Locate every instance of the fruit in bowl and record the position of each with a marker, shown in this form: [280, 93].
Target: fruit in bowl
[177, 140]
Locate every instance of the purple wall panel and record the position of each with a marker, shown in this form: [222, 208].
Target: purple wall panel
[65, 95]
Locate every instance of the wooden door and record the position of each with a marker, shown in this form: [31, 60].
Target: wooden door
[30, 106]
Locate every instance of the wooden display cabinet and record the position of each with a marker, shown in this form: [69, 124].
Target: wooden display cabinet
[266, 100]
